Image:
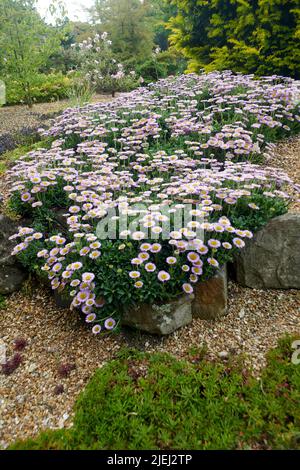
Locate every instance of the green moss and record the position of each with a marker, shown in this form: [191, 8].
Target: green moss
[153, 401]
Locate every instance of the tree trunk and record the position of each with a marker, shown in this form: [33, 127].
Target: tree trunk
[29, 100]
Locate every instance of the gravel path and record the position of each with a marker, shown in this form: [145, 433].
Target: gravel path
[15, 118]
[58, 341]
[18, 124]
[287, 157]
[61, 353]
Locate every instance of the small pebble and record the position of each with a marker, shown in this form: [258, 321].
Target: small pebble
[223, 354]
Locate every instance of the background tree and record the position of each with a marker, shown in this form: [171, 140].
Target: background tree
[128, 25]
[27, 43]
[159, 12]
[257, 36]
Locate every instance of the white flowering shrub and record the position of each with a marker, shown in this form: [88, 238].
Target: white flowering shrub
[100, 68]
[123, 173]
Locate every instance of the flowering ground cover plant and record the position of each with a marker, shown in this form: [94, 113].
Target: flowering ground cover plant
[157, 188]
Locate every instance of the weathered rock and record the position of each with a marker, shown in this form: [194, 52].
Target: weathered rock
[271, 259]
[210, 300]
[160, 319]
[12, 275]
[11, 279]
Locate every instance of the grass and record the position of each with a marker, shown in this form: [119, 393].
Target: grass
[153, 401]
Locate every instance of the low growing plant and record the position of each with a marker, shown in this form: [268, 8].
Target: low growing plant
[153, 401]
[139, 199]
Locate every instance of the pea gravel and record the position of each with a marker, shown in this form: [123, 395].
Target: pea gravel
[287, 157]
[15, 118]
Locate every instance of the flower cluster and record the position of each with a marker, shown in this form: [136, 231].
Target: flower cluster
[173, 169]
[99, 66]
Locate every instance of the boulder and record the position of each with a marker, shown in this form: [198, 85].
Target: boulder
[12, 274]
[210, 300]
[160, 319]
[271, 259]
[11, 279]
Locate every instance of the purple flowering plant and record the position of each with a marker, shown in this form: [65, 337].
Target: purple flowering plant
[193, 143]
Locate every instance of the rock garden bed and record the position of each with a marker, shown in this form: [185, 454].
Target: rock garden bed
[195, 143]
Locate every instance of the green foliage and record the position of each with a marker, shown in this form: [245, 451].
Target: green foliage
[2, 302]
[269, 208]
[173, 61]
[65, 58]
[44, 88]
[256, 36]
[27, 42]
[128, 25]
[99, 68]
[80, 92]
[151, 70]
[161, 65]
[159, 13]
[153, 401]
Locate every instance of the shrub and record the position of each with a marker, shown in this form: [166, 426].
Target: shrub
[99, 66]
[161, 65]
[260, 37]
[45, 88]
[151, 70]
[81, 91]
[188, 143]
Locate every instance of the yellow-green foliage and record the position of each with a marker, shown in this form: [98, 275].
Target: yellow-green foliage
[250, 36]
[44, 88]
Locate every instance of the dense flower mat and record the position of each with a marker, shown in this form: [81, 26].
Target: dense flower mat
[158, 188]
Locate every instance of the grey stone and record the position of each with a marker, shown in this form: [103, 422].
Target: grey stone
[223, 355]
[242, 313]
[12, 274]
[271, 259]
[32, 367]
[210, 300]
[11, 278]
[160, 319]
[7, 228]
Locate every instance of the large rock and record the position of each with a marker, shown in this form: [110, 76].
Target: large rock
[160, 319]
[271, 259]
[12, 275]
[210, 300]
